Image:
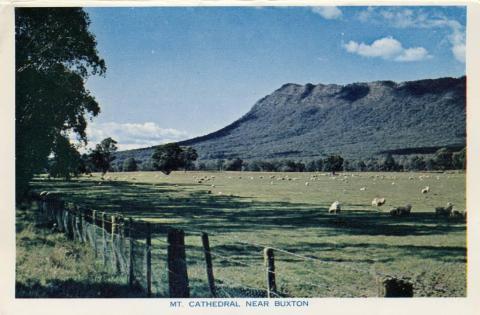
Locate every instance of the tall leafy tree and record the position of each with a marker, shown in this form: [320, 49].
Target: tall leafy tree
[55, 53]
[168, 157]
[333, 163]
[102, 156]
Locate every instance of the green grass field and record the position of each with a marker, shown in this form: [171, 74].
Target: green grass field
[243, 211]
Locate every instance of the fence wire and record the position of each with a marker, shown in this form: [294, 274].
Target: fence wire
[239, 269]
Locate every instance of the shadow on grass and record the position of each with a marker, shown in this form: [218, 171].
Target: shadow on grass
[76, 289]
[204, 211]
[223, 214]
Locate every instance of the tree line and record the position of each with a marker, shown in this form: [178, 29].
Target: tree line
[443, 159]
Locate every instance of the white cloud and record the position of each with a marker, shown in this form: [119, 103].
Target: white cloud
[413, 54]
[387, 48]
[329, 13]
[133, 135]
[408, 18]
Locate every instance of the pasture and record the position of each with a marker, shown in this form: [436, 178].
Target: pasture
[244, 211]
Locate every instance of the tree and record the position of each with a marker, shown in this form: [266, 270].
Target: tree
[389, 163]
[167, 158]
[360, 166]
[130, 165]
[333, 163]
[459, 159]
[443, 159]
[189, 155]
[55, 54]
[311, 166]
[66, 161]
[234, 165]
[101, 157]
[417, 163]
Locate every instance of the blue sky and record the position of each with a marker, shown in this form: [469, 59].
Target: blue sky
[175, 73]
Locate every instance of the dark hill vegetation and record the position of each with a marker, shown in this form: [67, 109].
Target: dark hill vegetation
[358, 120]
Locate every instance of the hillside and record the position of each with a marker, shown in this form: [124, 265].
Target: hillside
[358, 120]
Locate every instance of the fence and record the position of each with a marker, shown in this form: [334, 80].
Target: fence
[153, 258]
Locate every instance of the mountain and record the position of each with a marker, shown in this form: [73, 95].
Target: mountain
[358, 120]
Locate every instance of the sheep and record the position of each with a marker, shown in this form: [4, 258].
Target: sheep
[425, 190]
[444, 211]
[306, 184]
[401, 211]
[377, 202]
[335, 207]
[363, 188]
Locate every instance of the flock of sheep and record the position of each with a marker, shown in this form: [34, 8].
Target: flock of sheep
[335, 207]
[448, 211]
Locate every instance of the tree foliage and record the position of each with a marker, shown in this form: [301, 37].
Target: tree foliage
[130, 165]
[333, 163]
[170, 157]
[55, 53]
[102, 156]
[66, 161]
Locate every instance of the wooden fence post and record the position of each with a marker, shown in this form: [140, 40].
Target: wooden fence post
[104, 239]
[83, 225]
[270, 264]
[131, 274]
[177, 265]
[94, 221]
[73, 222]
[148, 254]
[208, 262]
[115, 262]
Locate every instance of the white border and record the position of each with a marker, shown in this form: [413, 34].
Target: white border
[371, 306]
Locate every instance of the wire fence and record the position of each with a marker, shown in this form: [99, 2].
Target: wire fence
[152, 258]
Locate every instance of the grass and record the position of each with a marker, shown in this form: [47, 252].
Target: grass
[244, 211]
[49, 265]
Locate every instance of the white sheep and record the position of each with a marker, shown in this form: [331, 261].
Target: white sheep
[335, 207]
[363, 188]
[425, 190]
[377, 202]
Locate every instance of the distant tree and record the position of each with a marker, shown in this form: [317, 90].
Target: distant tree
[459, 159]
[443, 159]
[101, 157]
[167, 158]
[234, 165]
[130, 165]
[66, 161]
[430, 164]
[417, 163]
[201, 166]
[360, 166]
[189, 155]
[319, 165]
[311, 166]
[254, 166]
[333, 163]
[220, 164]
[389, 163]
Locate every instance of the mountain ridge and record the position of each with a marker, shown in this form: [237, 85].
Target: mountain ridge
[356, 120]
